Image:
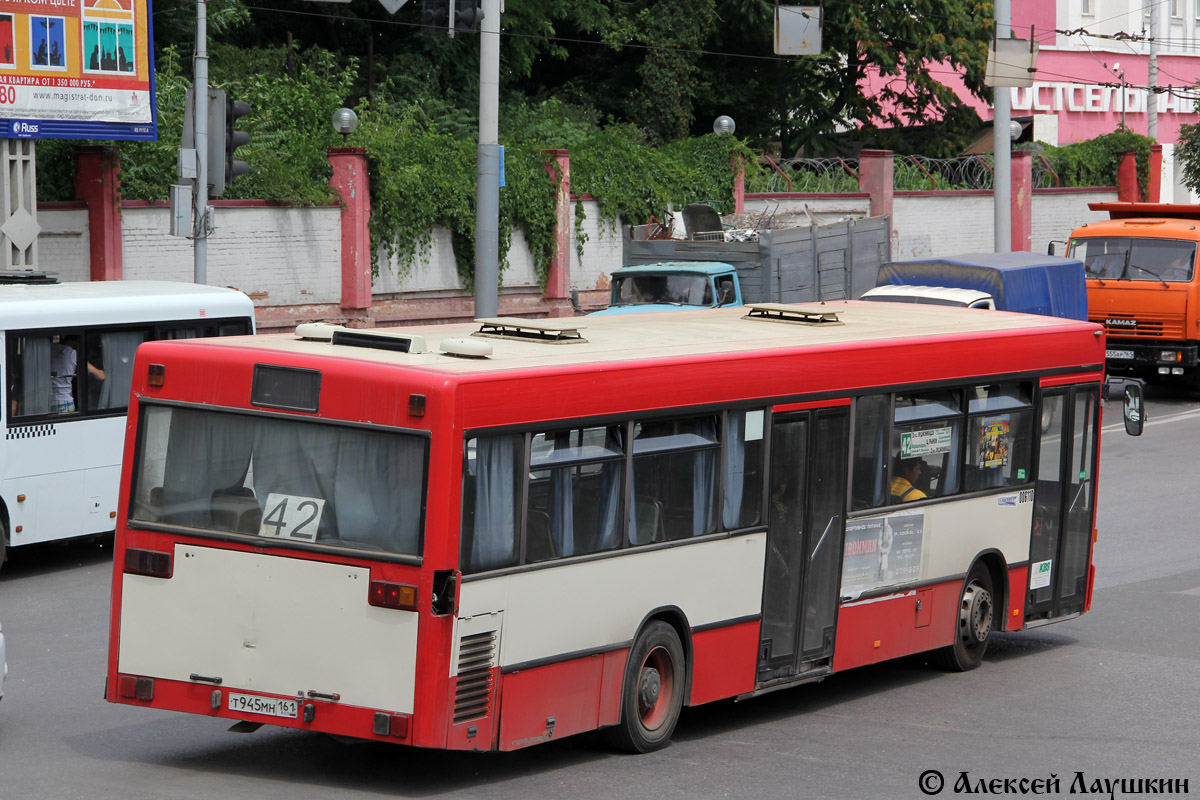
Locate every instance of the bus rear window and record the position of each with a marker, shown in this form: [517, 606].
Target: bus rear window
[287, 480]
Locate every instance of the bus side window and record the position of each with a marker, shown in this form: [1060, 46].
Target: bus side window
[926, 440]
[999, 436]
[111, 374]
[30, 374]
[869, 487]
[674, 479]
[575, 493]
[490, 501]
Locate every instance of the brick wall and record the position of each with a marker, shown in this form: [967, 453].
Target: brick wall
[63, 243]
[946, 223]
[278, 256]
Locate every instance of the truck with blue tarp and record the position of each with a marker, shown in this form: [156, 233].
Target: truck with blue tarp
[1025, 282]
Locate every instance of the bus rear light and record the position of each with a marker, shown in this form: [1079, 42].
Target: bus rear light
[393, 595]
[148, 562]
[390, 725]
[156, 375]
[135, 688]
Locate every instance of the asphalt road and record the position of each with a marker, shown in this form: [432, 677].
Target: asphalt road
[1111, 695]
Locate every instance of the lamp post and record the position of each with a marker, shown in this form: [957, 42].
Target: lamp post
[344, 122]
[1120, 73]
[723, 125]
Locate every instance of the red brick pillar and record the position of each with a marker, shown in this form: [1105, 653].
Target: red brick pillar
[739, 185]
[1127, 180]
[349, 179]
[98, 183]
[558, 279]
[876, 177]
[1021, 215]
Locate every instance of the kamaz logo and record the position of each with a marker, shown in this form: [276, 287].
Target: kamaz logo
[1121, 323]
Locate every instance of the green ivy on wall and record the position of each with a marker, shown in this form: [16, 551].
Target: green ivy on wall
[1096, 161]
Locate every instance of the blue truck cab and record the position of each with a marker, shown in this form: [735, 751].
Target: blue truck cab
[672, 285]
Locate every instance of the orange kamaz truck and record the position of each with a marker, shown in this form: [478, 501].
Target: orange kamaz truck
[1143, 287]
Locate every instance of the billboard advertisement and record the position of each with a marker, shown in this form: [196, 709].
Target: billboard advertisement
[77, 69]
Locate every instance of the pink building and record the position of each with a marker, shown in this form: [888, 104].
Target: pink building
[1077, 91]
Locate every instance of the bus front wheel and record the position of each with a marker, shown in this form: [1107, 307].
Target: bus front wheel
[974, 622]
[652, 692]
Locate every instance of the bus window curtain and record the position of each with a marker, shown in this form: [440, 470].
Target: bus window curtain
[562, 502]
[610, 493]
[205, 452]
[117, 349]
[494, 537]
[735, 469]
[704, 482]
[299, 461]
[35, 376]
[378, 490]
[950, 481]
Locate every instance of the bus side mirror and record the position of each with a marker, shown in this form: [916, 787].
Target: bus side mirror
[1132, 393]
[1050, 249]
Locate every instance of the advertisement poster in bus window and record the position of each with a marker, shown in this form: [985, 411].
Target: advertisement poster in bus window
[993, 441]
[77, 69]
[882, 551]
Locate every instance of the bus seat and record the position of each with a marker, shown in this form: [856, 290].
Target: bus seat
[539, 545]
[648, 514]
[236, 510]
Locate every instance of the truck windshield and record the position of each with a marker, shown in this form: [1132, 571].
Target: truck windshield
[290, 481]
[1127, 258]
[683, 289]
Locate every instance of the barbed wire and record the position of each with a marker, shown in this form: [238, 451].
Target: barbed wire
[910, 173]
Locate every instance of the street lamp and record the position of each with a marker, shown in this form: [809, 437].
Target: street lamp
[724, 124]
[345, 121]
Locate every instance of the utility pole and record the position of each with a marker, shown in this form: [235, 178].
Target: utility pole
[487, 197]
[200, 119]
[1152, 96]
[1002, 143]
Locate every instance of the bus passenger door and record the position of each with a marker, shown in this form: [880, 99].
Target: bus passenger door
[805, 527]
[1061, 541]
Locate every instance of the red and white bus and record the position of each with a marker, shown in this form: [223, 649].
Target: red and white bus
[488, 536]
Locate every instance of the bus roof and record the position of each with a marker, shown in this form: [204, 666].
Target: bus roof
[113, 302]
[672, 334]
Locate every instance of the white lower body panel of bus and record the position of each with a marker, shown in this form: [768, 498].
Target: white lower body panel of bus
[270, 624]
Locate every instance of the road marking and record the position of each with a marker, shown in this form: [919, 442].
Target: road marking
[1183, 415]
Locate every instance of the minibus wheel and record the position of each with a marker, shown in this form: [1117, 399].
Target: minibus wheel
[974, 622]
[652, 691]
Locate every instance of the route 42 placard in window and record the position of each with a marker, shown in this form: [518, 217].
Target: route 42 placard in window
[288, 516]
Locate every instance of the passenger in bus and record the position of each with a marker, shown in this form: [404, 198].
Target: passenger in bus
[904, 485]
[64, 358]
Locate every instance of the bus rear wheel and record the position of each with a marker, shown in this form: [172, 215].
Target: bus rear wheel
[974, 622]
[652, 692]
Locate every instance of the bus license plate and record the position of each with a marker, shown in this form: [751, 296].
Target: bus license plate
[271, 706]
[1118, 354]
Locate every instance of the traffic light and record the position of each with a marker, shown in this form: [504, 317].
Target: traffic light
[467, 16]
[234, 110]
[435, 14]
